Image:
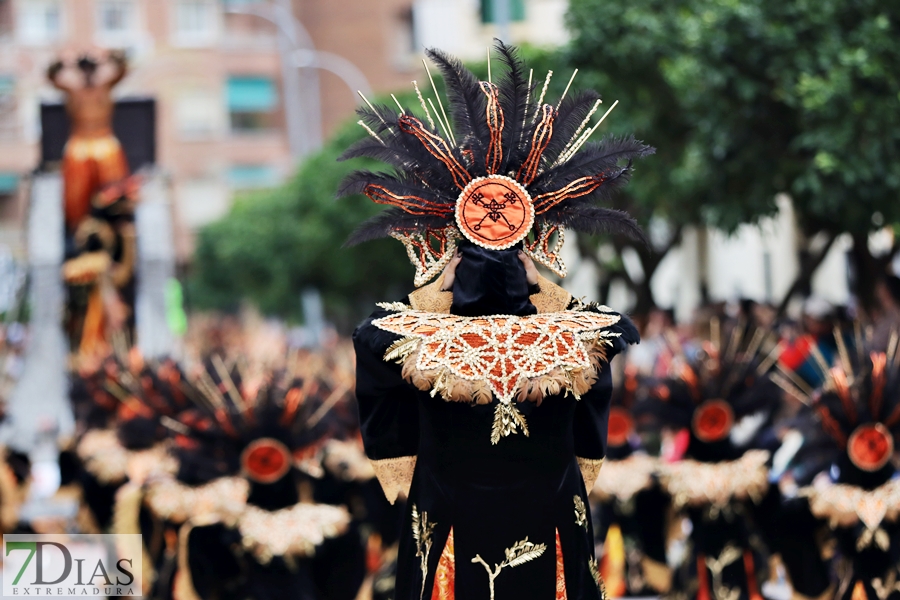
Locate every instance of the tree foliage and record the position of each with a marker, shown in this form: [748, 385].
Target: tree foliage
[275, 243]
[748, 98]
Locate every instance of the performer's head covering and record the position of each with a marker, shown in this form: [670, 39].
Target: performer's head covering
[260, 431]
[510, 174]
[712, 390]
[855, 417]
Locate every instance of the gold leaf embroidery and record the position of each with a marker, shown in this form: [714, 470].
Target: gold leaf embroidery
[507, 421]
[402, 348]
[594, 568]
[716, 565]
[422, 531]
[520, 553]
[580, 513]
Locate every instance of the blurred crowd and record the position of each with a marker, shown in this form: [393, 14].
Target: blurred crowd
[743, 450]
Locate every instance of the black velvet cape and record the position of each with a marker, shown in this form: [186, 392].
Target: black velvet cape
[490, 495]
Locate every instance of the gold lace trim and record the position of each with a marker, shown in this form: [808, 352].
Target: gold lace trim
[105, 458]
[471, 359]
[395, 475]
[622, 479]
[294, 531]
[846, 505]
[430, 298]
[173, 501]
[590, 470]
[716, 484]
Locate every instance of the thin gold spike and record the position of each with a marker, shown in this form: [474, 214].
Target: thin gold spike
[566, 91]
[715, 333]
[366, 100]
[540, 102]
[400, 106]
[440, 103]
[225, 376]
[844, 354]
[770, 360]
[795, 379]
[424, 106]
[368, 129]
[527, 104]
[791, 389]
[735, 342]
[578, 131]
[587, 135]
[892, 347]
[857, 334]
[821, 362]
[326, 406]
[443, 126]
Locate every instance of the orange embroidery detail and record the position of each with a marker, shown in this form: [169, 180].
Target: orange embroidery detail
[494, 119]
[540, 249]
[560, 571]
[494, 212]
[870, 447]
[713, 421]
[414, 205]
[542, 134]
[266, 460]
[503, 351]
[445, 575]
[580, 187]
[429, 252]
[437, 147]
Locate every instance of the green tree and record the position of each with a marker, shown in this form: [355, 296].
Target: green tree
[275, 243]
[745, 99]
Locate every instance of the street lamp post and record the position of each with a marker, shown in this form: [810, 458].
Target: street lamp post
[300, 62]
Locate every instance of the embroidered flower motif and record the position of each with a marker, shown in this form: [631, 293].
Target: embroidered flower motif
[580, 513]
[520, 553]
[422, 531]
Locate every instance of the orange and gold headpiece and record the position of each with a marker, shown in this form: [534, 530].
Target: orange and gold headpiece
[502, 169]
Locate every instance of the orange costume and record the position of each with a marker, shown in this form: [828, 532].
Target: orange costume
[88, 165]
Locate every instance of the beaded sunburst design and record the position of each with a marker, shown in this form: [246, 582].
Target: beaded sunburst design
[846, 505]
[472, 359]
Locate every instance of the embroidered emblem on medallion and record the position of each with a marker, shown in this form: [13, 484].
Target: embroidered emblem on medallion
[494, 212]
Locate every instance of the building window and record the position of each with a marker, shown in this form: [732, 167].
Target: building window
[40, 21]
[115, 16]
[252, 102]
[198, 114]
[9, 124]
[196, 22]
[516, 10]
[252, 176]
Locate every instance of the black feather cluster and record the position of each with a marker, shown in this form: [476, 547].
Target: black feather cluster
[427, 187]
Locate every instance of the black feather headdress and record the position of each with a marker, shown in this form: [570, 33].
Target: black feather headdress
[509, 170]
[712, 388]
[855, 414]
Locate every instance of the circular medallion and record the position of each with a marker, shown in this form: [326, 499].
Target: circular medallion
[266, 460]
[494, 212]
[713, 421]
[870, 447]
[620, 426]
